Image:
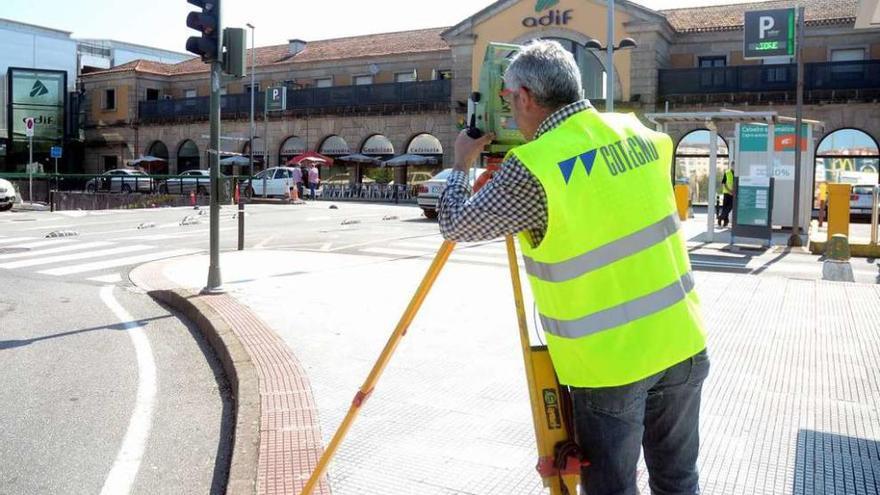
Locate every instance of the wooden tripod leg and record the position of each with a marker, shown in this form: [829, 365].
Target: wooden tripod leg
[367, 388]
[558, 485]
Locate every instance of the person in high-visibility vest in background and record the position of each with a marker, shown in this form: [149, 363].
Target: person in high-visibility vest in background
[590, 198]
[728, 186]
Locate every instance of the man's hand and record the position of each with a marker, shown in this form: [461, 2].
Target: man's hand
[467, 150]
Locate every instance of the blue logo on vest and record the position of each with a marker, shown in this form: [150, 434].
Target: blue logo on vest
[567, 166]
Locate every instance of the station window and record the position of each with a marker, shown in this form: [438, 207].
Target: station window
[324, 82]
[190, 93]
[362, 80]
[405, 77]
[109, 99]
[152, 94]
[443, 74]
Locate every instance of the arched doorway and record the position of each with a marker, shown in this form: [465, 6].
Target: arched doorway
[424, 144]
[692, 163]
[335, 146]
[259, 153]
[158, 150]
[291, 147]
[846, 156]
[188, 156]
[378, 146]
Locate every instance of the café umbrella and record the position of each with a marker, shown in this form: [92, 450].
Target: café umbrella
[409, 159]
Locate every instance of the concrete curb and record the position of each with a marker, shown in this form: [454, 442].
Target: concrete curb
[242, 376]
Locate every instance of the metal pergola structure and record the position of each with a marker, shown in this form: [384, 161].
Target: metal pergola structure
[711, 120]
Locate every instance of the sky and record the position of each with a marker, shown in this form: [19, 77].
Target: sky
[162, 23]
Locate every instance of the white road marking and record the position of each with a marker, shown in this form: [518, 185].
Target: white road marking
[63, 249]
[266, 241]
[50, 242]
[108, 279]
[72, 257]
[10, 240]
[128, 460]
[131, 260]
[164, 237]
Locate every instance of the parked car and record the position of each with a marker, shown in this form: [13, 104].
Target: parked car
[275, 181]
[124, 180]
[187, 182]
[7, 195]
[430, 191]
[860, 201]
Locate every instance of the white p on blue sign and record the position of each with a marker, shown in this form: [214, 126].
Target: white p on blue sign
[55, 152]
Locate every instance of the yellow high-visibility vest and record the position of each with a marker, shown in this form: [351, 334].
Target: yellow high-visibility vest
[611, 277]
[727, 187]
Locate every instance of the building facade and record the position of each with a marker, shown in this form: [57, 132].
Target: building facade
[39, 74]
[346, 95]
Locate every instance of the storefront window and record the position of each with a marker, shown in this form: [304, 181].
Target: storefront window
[847, 156]
[592, 70]
[692, 164]
[188, 157]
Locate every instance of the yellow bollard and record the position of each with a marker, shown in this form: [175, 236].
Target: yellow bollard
[682, 195]
[838, 209]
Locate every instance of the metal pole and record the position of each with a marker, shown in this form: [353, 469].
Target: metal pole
[215, 281]
[265, 141]
[253, 75]
[713, 174]
[795, 239]
[31, 168]
[874, 214]
[609, 79]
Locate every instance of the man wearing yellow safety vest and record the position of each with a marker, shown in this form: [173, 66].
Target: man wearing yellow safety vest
[727, 189]
[591, 198]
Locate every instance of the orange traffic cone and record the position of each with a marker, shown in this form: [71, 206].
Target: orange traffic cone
[192, 199]
[294, 194]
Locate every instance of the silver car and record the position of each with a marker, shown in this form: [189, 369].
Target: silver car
[430, 191]
[7, 195]
[861, 200]
[122, 180]
[189, 181]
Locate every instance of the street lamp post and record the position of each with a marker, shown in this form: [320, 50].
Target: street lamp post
[595, 44]
[253, 75]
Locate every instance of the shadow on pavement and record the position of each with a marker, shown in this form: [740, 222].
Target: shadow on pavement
[828, 463]
[11, 344]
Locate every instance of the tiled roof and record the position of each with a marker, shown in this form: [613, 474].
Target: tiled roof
[730, 17]
[374, 45]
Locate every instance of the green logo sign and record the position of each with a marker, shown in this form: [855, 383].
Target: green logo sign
[39, 89]
[545, 4]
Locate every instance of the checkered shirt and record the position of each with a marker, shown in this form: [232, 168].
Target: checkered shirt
[513, 201]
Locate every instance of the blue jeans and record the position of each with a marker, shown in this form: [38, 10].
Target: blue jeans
[660, 413]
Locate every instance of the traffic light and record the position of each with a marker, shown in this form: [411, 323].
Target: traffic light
[207, 22]
[235, 52]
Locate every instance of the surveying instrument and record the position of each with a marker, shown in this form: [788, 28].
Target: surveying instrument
[559, 460]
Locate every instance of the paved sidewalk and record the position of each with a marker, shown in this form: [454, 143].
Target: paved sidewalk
[790, 405]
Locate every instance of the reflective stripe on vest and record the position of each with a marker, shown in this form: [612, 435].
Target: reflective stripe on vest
[611, 276]
[605, 255]
[622, 314]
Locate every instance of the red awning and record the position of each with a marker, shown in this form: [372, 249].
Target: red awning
[311, 157]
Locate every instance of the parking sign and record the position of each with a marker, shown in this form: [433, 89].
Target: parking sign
[276, 99]
[769, 33]
[55, 152]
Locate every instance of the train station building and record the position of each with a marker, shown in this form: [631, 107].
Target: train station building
[388, 94]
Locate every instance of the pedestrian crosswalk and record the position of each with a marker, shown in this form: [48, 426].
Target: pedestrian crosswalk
[491, 252]
[97, 261]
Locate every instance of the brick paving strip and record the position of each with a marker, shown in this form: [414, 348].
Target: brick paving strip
[277, 438]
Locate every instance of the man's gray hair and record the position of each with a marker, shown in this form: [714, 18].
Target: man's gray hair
[548, 71]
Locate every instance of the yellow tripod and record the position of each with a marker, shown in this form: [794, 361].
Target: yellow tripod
[543, 388]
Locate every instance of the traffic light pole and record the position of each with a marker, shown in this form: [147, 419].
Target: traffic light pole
[215, 281]
[795, 239]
